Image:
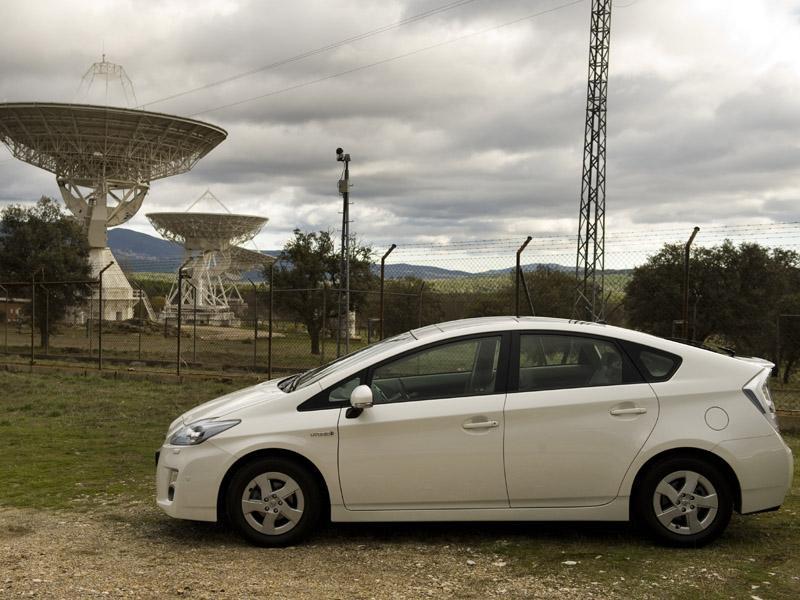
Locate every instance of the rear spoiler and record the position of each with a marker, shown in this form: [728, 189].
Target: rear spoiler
[723, 349]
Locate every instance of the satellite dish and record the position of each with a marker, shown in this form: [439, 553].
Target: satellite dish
[216, 261]
[104, 159]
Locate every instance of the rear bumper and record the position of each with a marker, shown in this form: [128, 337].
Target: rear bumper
[188, 479]
[764, 467]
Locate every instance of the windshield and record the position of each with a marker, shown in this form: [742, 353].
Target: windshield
[309, 377]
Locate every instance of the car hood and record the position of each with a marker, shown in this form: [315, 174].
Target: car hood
[234, 401]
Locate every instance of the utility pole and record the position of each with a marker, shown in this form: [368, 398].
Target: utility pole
[590, 264]
[344, 296]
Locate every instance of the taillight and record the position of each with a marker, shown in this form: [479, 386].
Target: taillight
[757, 391]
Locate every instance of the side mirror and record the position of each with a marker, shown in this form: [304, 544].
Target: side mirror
[361, 397]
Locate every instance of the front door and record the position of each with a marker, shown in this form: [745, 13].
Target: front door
[434, 436]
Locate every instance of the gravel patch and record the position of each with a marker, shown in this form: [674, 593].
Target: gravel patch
[136, 552]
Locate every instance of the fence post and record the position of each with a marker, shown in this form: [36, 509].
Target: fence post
[419, 307]
[33, 311]
[778, 346]
[383, 262]
[141, 321]
[101, 315]
[685, 311]
[89, 321]
[269, 343]
[322, 331]
[255, 322]
[180, 315]
[518, 275]
[194, 326]
[5, 290]
[46, 319]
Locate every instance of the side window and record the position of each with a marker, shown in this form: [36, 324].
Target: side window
[460, 368]
[655, 365]
[333, 397]
[549, 362]
[341, 393]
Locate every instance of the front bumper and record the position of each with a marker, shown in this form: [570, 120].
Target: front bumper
[188, 479]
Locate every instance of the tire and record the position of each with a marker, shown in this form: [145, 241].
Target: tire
[273, 502]
[684, 501]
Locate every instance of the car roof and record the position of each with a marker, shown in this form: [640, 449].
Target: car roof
[479, 324]
[505, 323]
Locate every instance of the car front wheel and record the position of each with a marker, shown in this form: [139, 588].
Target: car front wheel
[273, 502]
[684, 501]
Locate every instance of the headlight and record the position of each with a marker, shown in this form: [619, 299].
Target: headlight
[199, 431]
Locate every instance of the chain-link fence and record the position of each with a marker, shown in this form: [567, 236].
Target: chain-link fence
[169, 320]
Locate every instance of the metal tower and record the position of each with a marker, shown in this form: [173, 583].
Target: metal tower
[589, 268]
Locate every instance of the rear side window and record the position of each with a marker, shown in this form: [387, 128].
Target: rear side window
[551, 362]
[655, 365]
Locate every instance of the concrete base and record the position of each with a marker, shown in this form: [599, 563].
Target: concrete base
[118, 300]
[220, 317]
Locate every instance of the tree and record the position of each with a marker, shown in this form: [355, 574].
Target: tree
[402, 307]
[736, 293]
[308, 265]
[43, 241]
[552, 294]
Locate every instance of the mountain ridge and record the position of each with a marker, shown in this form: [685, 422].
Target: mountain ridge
[141, 252]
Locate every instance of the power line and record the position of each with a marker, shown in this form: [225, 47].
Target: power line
[389, 59]
[317, 51]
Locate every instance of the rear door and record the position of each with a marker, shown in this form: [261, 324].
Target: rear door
[434, 436]
[577, 414]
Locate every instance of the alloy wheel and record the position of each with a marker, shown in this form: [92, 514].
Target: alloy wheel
[685, 502]
[272, 503]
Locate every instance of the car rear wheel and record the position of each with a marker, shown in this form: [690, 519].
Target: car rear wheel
[684, 501]
[273, 502]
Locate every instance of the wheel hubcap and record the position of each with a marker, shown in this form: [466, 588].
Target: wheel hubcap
[272, 503]
[685, 502]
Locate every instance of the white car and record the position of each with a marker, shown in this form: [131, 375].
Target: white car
[490, 419]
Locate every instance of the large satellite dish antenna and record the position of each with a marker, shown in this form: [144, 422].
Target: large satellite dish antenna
[211, 243]
[104, 159]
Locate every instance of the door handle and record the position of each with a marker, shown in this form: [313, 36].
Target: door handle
[636, 410]
[481, 425]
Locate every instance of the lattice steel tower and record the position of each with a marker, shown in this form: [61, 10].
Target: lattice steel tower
[589, 269]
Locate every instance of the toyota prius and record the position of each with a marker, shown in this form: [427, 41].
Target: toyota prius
[489, 419]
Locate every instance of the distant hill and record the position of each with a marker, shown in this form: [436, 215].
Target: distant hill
[140, 252]
[399, 270]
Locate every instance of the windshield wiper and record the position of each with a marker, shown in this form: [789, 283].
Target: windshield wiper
[289, 384]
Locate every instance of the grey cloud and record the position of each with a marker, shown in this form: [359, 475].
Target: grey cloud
[475, 139]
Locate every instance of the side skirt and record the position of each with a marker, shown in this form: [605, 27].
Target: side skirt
[616, 510]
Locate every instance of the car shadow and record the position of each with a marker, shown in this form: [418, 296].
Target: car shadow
[460, 533]
[742, 532]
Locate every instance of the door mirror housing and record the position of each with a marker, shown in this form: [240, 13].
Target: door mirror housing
[361, 397]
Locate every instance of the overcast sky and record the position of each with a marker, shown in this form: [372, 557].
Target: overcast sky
[479, 138]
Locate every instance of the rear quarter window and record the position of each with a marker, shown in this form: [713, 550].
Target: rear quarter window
[655, 365]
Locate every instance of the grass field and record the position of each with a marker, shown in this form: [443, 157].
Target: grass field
[71, 442]
[214, 349]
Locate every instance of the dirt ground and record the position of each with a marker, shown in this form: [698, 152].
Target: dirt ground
[135, 552]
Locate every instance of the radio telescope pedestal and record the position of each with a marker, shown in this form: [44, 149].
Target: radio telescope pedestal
[104, 159]
[210, 241]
